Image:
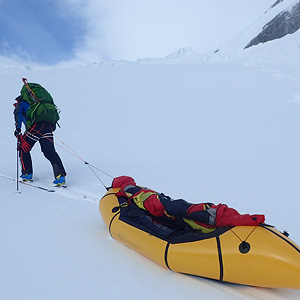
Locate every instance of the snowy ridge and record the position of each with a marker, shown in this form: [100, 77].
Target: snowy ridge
[280, 6]
[286, 22]
[279, 52]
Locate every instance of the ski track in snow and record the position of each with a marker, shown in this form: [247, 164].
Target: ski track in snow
[231, 132]
[68, 192]
[228, 128]
[228, 290]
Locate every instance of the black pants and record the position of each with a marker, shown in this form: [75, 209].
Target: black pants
[41, 132]
[180, 208]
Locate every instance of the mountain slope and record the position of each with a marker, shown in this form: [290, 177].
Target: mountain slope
[203, 132]
[286, 22]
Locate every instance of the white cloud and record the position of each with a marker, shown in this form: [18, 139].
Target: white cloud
[93, 46]
[132, 29]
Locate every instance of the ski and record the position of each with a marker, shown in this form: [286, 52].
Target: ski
[28, 183]
[37, 186]
[64, 186]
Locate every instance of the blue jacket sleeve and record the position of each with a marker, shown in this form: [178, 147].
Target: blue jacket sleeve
[21, 114]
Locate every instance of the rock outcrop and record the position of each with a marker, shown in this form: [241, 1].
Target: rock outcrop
[286, 22]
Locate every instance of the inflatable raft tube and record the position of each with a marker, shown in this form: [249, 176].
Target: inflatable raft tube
[251, 255]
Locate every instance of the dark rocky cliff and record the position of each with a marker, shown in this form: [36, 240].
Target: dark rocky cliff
[286, 22]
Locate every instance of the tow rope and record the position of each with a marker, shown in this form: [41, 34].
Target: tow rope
[72, 152]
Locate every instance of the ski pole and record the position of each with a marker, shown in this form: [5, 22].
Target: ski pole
[17, 179]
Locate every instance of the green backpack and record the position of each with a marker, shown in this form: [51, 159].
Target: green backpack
[42, 107]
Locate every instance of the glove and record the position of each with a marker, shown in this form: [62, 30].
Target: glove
[24, 145]
[17, 132]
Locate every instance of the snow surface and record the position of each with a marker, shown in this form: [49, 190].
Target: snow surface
[218, 127]
[203, 132]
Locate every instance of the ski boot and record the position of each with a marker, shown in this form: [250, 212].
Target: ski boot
[60, 180]
[26, 177]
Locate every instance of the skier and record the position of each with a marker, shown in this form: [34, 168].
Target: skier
[41, 132]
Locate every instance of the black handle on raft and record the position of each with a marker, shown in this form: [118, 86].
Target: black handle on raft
[115, 209]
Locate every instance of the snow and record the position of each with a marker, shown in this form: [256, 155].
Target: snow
[203, 132]
[217, 127]
[277, 52]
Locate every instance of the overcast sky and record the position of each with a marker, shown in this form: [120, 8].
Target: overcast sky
[50, 31]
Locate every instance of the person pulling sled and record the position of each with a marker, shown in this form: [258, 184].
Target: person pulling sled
[36, 110]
